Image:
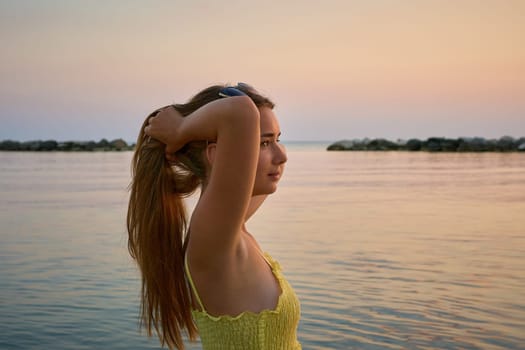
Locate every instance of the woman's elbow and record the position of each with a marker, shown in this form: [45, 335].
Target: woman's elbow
[243, 107]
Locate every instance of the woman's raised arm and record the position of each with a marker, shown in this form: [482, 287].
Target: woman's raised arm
[233, 124]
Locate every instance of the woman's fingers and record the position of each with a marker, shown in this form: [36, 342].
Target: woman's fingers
[154, 125]
[148, 128]
[158, 126]
[164, 126]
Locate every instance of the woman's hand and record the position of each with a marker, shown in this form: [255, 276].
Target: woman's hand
[166, 126]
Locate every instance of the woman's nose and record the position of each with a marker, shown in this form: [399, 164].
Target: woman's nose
[280, 156]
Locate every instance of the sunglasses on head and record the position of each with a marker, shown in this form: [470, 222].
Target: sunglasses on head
[236, 90]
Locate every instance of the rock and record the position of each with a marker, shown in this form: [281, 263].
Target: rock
[90, 146]
[479, 144]
[31, 145]
[381, 145]
[48, 145]
[401, 144]
[440, 144]
[473, 144]
[505, 143]
[35, 145]
[433, 144]
[413, 145]
[103, 145]
[9, 145]
[449, 145]
[520, 144]
[119, 144]
[338, 146]
[66, 146]
[359, 145]
[347, 145]
[463, 144]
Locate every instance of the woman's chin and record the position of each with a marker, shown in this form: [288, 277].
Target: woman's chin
[266, 190]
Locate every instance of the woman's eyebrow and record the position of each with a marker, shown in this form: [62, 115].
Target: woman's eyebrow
[270, 134]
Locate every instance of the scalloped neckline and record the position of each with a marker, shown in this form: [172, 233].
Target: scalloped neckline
[277, 274]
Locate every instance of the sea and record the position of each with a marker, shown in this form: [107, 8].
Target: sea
[385, 250]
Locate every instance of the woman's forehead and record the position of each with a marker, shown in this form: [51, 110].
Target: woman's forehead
[269, 122]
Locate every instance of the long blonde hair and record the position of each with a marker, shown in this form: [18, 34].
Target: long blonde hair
[157, 224]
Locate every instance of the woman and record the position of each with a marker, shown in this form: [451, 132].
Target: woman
[214, 279]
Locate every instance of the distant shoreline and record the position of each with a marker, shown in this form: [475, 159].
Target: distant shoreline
[433, 144]
[66, 146]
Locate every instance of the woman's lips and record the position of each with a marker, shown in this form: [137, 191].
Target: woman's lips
[275, 176]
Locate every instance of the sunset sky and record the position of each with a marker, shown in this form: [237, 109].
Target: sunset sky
[86, 70]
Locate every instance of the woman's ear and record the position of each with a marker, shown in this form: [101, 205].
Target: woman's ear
[210, 153]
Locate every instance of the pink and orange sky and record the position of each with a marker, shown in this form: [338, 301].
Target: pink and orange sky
[83, 70]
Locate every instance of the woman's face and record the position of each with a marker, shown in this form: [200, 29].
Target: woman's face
[272, 155]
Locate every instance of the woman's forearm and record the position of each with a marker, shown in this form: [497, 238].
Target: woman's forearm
[228, 116]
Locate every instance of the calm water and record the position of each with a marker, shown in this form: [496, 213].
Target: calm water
[385, 250]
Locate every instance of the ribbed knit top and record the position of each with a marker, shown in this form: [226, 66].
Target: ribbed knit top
[265, 330]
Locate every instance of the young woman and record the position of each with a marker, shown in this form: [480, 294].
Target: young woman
[210, 276]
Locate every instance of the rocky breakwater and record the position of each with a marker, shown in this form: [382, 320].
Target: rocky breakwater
[433, 144]
[67, 146]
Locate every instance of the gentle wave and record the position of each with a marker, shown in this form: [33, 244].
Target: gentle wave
[385, 250]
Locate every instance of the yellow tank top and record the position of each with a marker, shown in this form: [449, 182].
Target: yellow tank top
[266, 330]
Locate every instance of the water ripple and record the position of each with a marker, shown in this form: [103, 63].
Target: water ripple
[385, 251]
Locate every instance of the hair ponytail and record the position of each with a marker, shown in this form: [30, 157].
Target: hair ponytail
[156, 224]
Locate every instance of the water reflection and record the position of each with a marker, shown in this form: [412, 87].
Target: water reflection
[406, 250]
[385, 250]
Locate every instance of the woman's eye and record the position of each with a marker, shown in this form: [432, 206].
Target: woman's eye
[265, 143]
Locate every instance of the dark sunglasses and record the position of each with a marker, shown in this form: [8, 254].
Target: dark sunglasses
[236, 90]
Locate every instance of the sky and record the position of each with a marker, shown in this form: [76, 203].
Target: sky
[92, 69]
